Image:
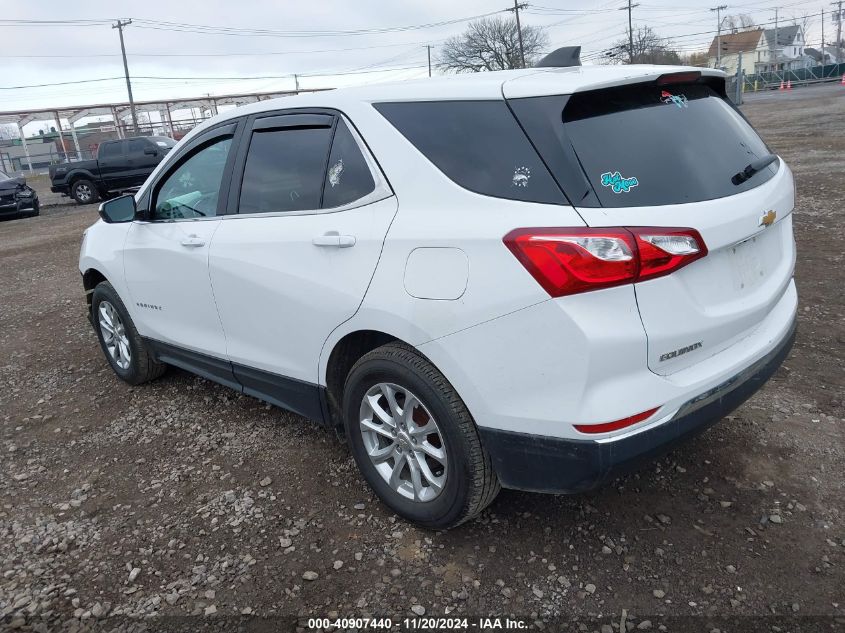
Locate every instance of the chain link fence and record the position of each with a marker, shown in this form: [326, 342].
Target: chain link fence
[799, 76]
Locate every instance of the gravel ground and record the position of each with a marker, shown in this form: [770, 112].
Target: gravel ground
[182, 504]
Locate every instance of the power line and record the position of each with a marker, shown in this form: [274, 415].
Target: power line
[61, 83]
[205, 29]
[236, 54]
[327, 73]
[248, 32]
[13, 22]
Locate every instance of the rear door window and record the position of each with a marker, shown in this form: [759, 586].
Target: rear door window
[285, 170]
[137, 146]
[477, 144]
[348, 177]
[646, 145]
[111, 150]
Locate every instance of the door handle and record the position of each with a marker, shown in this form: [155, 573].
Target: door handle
[333, 238]
[192, 241]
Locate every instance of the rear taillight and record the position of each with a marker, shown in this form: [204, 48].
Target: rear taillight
[569, 261]
[607, 427]
[663, 251]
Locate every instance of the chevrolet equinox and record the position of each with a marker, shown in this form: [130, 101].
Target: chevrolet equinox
[531, 278]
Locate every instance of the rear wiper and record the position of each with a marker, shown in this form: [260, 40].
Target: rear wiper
[758, 165]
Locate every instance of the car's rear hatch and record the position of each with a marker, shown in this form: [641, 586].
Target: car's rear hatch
[664, 153]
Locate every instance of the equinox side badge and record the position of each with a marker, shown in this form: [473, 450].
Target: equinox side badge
[680, 352]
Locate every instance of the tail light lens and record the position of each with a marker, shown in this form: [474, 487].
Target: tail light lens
[663, 251]
[607, 427]
[569, 261]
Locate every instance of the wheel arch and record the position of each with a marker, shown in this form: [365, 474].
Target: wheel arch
[344, 354]
[91, 278]
[80, 174]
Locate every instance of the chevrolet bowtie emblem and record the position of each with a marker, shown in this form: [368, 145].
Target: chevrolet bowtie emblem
[768, 218]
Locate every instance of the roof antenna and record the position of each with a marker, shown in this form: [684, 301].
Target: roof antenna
[561, 58]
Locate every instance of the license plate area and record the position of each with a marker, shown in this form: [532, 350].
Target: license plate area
[746, 264]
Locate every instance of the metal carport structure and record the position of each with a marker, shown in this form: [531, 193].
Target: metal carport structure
[120, 112]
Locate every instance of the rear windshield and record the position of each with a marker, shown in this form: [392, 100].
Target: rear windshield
[650, 145]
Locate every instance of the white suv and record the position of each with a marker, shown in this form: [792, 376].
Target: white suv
[529, 279]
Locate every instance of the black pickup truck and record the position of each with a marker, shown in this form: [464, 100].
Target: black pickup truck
[120, 166]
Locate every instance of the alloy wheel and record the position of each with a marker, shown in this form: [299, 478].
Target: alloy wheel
[83, 192]
[114, 335]
[403, 442]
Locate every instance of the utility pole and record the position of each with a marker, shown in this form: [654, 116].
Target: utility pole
[738, 97]
[822, 48]
[516, 7]
[428, 48]
[630, 30]
[119, 26]
[838, 30]
[776, 37]
[296, 82]
[718, 11]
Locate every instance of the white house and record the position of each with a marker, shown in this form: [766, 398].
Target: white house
[732, 44]
[763, 50]
[780, 49]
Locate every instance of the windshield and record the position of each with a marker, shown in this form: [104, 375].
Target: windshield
[4, 176]
[646, 145]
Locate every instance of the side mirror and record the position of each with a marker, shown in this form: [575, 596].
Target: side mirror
[151, 151]
[118, 210]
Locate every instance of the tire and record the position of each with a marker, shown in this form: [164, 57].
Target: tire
[470, 483]
[138, 365]
[84, 191]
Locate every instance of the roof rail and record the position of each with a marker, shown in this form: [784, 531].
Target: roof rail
[561, 58]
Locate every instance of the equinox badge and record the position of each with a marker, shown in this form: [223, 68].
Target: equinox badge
[680, 352]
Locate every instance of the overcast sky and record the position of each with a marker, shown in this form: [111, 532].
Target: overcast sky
[45, 54]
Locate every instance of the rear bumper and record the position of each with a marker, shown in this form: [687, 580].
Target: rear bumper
[547, 464]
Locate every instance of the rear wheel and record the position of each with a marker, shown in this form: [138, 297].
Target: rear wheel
[414, 439]
[84, 191]
[122, 345]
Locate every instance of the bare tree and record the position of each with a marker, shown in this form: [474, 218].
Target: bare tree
[491, 44]
[803, 21]
[8, 131]
[649, 48]
[696, 59]
[738, 22]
